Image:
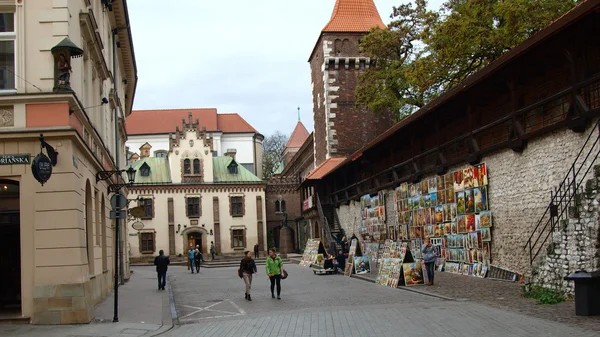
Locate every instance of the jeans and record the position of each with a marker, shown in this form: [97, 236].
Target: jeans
[275, 279]
[256, 254]
[191, 264]
[248, 282]
[430, 267]
[197, 263]
[162, 279]
[213, 255]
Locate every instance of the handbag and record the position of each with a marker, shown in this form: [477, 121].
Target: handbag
[284, 275]
[240, 273]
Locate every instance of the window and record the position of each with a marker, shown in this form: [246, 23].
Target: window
[277, 206]
[237, 206]
[238, 238]
[148, 208]
[249, 167]
[215, 153]
[186, 167]
[161, 154]
[193, 207]
[145, 170]
[7, 51]
[196, 166]
[283, 205]
[147, 242]
[233, 169]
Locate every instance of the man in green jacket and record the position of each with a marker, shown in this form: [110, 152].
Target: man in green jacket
[274, 267]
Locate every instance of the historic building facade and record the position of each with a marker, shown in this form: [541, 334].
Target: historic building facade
[194, 197]
[58, 79]
[153, 129]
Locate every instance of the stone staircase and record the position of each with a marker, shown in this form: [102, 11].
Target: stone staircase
[575, 241]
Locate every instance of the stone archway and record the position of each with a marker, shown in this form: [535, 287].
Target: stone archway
[195, 236]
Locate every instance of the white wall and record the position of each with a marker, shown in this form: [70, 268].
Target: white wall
[158, 142]
[242, 143]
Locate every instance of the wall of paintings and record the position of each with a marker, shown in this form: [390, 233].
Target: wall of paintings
[314, 250]
[453, 210]
[372, 226]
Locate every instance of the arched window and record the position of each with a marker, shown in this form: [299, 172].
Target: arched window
[283, 205]
[277, 206]
[186, 167]
[196, 166]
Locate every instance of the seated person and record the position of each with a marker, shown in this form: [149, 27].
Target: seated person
[341, 258]
[328, 264]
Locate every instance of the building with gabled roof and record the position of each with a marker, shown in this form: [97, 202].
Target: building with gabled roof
[193, 197]
[227, 131]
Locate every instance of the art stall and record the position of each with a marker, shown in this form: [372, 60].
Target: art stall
[372, 229]
[313, 253]
[355, 256]
[398, 267]
[453, 210]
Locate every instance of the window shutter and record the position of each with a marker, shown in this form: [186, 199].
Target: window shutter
[140, 241]
[243, 205]
[230, 207]
[186, 207]
[152, 201]
[153, 242]
[276, 205]
[231, 235]
[199, 206]
[244, 241]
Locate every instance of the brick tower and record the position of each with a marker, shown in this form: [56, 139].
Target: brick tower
[340, 128]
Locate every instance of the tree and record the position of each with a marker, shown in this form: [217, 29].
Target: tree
[273, 147]
[423, 53]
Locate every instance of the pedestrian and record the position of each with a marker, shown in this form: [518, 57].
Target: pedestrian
[345, 244]
[341, 258]
[212, 250]
[161, 262]
[248, 267]
[256, 248]
[274, 267]
[429, 259]
[197, 259]
[191, 254]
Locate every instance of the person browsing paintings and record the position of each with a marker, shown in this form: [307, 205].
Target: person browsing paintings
[429, 259]
[274, 267]
[248, 267]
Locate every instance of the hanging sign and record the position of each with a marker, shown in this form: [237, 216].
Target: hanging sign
[41, 167]
[137, 212]
[9, 159]
[138, 225]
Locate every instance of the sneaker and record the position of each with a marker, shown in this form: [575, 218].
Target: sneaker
[246, 296]
[272, 295]
[278, 297]
[249, 298]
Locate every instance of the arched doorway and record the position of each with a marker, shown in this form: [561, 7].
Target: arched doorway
[10, 247]
[193, 237]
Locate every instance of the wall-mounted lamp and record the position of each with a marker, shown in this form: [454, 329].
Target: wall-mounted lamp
[211, 232]
[104, 100]
[184, 226]
[202, 225]
[178, 228]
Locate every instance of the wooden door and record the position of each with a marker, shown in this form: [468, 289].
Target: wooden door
[191, 242]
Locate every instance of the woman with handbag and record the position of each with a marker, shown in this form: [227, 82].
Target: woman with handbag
[274, 267]
[247, 268]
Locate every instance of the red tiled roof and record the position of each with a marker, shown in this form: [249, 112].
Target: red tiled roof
[324, 169]
[163, 121]
[298, 137]
[354, 16]
[233, 122]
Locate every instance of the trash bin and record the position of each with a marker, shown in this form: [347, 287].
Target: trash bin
[587, 292]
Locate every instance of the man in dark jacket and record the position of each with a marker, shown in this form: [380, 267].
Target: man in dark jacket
[161, 262]
[341, 258]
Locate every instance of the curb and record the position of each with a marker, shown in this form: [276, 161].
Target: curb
[169, 314]
[408, 289]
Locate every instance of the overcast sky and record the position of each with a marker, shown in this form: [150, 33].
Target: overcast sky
[242, 56]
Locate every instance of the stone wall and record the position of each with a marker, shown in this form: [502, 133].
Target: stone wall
[349, 216]
[574, 244]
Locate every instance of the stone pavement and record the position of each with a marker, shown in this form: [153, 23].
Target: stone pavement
[211, 304]
[499, 294]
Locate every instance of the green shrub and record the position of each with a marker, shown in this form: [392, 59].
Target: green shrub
[543, 295]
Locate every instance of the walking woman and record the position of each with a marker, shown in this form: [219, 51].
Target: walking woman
[274, 270]
[248, 267]
[429, 259]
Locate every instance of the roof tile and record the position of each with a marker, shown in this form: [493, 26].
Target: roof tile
[324, 169]
[298, 137]
[354, 16]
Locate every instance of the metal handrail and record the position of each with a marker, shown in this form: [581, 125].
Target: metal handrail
[324, 221]
[562, 196]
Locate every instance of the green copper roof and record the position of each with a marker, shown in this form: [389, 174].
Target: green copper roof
[221, 172]
[159, 170]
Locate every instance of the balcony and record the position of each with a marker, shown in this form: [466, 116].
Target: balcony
[308, 203]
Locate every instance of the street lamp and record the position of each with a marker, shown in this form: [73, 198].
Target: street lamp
[117, 209]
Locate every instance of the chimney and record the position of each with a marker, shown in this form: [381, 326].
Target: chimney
[231, 153]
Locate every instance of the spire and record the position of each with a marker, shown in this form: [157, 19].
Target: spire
[354, 16]
[298, 114]
[298, 137]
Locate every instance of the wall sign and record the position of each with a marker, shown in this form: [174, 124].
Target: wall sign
[41, 168]
[138, 225]
[9, 159]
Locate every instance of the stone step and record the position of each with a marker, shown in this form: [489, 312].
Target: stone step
[14, 320]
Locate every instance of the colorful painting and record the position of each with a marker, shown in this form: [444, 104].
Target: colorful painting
[482, 174]
[486, 234]
[413, 273]
[441, 197]
[485, 219]
[481, 203]
[432, 185]
[439, 213]
[469, 201]
[424, 187]
[460, 202]
[440, 183]
[433, 199]
[362, 264]
[468, 178]
[319, 260]
[462, 225]
[458, 181]
[470, 222]
[450, 195]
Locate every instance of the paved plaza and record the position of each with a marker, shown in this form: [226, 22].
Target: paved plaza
[212, 304]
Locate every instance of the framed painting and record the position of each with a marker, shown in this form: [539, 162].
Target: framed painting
[413, 273]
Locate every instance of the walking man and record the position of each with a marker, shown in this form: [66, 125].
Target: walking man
[161, 262]
[212, 250]
[191, 254]
[197, 259]
[256, 248]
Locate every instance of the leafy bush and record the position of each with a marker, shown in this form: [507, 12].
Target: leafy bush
[544, 295]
